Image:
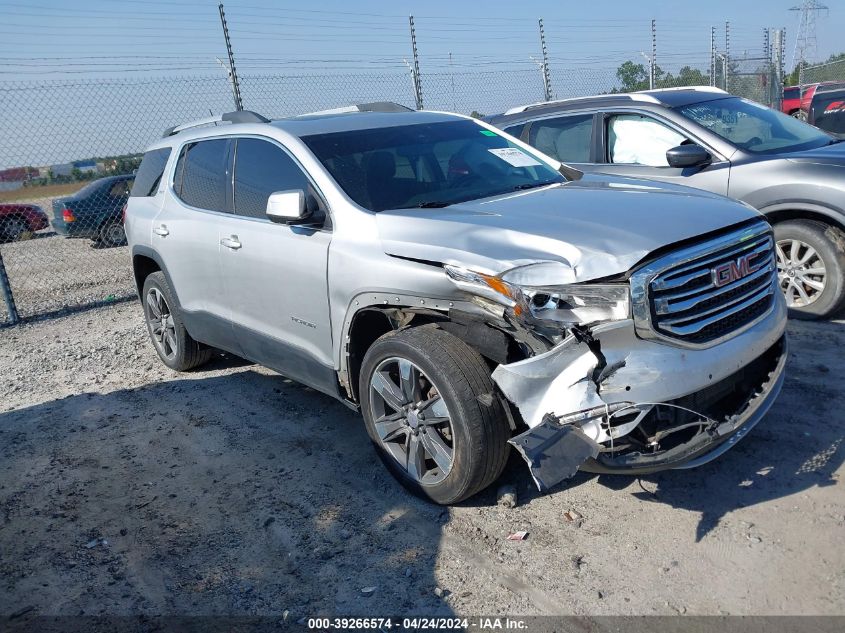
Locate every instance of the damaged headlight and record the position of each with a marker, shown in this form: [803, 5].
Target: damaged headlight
[526, 292]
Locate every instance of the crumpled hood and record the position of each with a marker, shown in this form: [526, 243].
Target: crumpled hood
[827, 155]
[597, 226]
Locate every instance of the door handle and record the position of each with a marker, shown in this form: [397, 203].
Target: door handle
[231, 242]
[161, 230]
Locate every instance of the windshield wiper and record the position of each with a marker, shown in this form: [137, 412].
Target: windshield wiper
[432, 204]
[534, 185]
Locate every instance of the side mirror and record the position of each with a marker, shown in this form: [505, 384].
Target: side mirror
[287, 207]
[690, 155]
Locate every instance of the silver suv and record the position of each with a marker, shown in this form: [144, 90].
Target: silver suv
[452, 284]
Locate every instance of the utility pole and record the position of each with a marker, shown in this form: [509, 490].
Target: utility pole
[650, 70]
[777, 67]
[712, 55]
[727, 57]
[768, 80]
[652, 80]
[452, 78]
[415, 73]
[547, 78]
[767, 46]
[233, 74]
[805, 39]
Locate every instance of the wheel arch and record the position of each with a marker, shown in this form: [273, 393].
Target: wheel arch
[371, 321]
[146, 261]
[819, 213]
[369, 324]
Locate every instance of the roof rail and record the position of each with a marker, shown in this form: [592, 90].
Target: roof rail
[631, 96]
[239, 116]
[679, 88]
[375, 106]
[640, 95]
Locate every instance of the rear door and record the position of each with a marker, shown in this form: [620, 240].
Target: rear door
[634, 144]
[274, 275]
[186, 233]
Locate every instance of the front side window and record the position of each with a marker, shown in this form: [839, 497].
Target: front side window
[565, 138]
[634, 139]
[262, 168]
[150, 172]
[427, 164]
[201, 174]
[754, 127]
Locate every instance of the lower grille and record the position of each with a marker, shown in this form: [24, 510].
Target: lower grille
[708, 292]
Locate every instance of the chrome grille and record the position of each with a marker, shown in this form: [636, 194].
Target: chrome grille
[708, 292]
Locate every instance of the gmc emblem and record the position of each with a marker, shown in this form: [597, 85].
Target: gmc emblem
[732, 271]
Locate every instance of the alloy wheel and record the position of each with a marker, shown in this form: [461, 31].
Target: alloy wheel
[162, 325]
[412, 420]
[801, 272]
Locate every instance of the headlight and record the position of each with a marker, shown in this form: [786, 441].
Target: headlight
[521, 290]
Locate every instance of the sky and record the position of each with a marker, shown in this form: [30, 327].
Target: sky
[90, 38]
[104, 77]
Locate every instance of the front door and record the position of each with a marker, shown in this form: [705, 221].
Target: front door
[274, 275]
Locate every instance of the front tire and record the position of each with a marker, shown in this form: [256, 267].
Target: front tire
[811, 268]
[171, 340]
[431, 410]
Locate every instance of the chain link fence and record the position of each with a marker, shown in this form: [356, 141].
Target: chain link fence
[69, 149]
[832, 71]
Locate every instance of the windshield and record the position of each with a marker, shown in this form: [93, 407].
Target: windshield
[754, 127]
[427, 165]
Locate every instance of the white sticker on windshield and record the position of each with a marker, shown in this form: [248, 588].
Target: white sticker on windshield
[515, 157]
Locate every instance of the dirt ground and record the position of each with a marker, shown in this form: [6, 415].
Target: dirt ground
[126, 488]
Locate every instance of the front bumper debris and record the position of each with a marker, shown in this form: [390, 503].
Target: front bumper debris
[609, 402]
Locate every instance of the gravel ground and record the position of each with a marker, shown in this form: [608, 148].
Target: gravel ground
[126, 488]
[49, 273]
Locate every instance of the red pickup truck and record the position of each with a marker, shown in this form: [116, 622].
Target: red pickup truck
[791, 103]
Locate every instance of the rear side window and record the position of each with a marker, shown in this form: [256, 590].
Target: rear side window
[566, 138]
[150, 172]
[792, 93]
[201, 175]
[262, 168]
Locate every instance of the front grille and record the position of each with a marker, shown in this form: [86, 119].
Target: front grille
[711, 290]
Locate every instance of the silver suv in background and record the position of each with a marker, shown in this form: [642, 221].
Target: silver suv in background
[459, 290]
[704, 137]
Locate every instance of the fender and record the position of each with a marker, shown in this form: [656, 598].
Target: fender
[795, 207]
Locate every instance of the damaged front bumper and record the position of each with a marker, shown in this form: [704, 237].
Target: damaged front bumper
[608, 401]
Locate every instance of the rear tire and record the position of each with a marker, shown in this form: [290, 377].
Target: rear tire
[111, 234]
[456, 379]
[811, 267]
[13, 229]
[171, 340]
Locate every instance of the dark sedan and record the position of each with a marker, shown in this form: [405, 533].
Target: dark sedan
[95, 211]
[827, 110]
[703, 137]
[19, 220]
